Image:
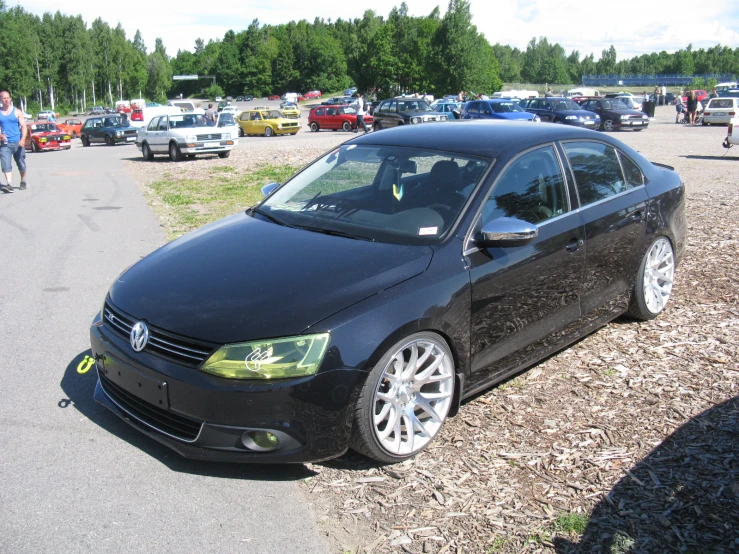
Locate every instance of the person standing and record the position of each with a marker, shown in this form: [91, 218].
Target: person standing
[657, 93]
[679, 107]
[692, 106]
[549, 92]
[13, 137]
[210, 115]
[359, 107]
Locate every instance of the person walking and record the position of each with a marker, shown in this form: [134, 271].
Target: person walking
[679, 107]
[12, 137]
[359, 107]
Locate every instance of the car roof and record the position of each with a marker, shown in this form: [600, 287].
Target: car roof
[485, 138]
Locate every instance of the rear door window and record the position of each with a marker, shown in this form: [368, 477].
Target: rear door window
[596, 169]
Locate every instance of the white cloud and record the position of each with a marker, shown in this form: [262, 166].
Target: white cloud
[633, 27]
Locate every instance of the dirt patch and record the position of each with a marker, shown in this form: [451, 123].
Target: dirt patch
[625, 442]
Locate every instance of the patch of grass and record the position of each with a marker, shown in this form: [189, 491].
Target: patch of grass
[570, 523]
[185, 204]
[498, 544]
[540, 537]
[609, 372]
[223, 168]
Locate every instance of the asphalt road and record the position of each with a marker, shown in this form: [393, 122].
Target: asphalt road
[73, 477]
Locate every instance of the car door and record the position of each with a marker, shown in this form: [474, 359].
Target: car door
[545, 111]
[244, 122]
[613, 205]
[525, 298]
[320, 117]
[151, 133]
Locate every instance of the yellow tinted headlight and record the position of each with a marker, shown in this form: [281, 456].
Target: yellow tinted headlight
[269, 359]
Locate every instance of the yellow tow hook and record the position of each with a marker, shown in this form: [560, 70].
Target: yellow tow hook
[85, 365]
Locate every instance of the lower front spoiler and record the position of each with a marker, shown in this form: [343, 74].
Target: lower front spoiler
[223, 435]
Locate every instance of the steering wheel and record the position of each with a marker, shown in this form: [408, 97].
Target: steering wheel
[538, 213]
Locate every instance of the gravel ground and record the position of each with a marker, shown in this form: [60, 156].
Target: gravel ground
[625, 442]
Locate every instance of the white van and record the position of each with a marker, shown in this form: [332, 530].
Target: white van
[142, 117]
[290, 97]
[516, 94]
[583, 91]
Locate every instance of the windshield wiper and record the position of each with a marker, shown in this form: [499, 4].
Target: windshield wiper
[269, 216]
[335, 233]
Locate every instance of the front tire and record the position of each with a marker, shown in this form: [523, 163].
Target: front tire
[146, 152]
[109, 140]
[405, 400]
[346, 126]
[34, 147]
[174, 153]
[608, 125]
[268, 132]
[654, 281]
[224, 154]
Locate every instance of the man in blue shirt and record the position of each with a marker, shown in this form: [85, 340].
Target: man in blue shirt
[12, 138]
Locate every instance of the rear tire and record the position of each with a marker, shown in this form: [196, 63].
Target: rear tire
[74, 134]
[224, 154]
[174, 153]
[377, 127]
[654, 281]
[241, 132]
[314, 127]
[85, 141]
[146, 152]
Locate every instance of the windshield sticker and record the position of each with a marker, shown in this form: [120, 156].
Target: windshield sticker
[428, 231]
[351, 146]
[398, 192]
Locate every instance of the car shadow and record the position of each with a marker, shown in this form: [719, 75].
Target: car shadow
[78, 391]
[683, 497]
[696, 157]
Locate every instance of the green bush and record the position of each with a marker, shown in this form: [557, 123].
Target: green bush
[213, 91]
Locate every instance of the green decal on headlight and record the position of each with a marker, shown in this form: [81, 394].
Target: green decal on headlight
[269, 359]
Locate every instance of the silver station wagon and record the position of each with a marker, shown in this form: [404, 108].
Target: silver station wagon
[186, 134]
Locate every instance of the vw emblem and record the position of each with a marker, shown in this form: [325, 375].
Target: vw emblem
[139, 336]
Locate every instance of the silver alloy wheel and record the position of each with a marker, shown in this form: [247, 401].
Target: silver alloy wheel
[659, 273]
[413, 396]
[608, 125]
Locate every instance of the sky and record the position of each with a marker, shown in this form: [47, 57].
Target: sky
[632, 27]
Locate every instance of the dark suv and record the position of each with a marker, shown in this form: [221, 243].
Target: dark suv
[404, 111]
[614, 114]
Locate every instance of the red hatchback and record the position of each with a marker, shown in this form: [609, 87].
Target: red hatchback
[335, 117]
[46, 136]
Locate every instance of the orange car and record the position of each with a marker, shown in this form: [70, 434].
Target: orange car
[71, 126]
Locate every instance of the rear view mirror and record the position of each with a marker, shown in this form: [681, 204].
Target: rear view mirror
[506, 231]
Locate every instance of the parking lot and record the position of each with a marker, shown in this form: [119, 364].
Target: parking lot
[580, 431]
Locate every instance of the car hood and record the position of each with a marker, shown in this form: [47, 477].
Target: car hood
[514, 115]
[241, 278]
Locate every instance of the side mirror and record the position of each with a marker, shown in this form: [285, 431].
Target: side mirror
[268, 189]
[506, 231]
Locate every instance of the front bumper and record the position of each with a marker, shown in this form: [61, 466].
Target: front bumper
[204, 417]
[202, 147]
[633, 123]
[130, 139]
[54, 145]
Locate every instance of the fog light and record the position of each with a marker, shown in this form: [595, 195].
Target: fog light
[260, 440]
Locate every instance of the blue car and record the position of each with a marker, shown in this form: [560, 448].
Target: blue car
[498, 108]
[561, 110]
[448, 107]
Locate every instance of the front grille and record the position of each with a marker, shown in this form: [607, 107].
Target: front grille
[161, 343]
[169, 423]
[285, 125]
[130, 133]
[215, 136]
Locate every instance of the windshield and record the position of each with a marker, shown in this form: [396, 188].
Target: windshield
[187, 121]
[226, 119]
[561, 105]
[615, 104]
[409, 105]
[44, 128]
[391, 194]
[505, 107]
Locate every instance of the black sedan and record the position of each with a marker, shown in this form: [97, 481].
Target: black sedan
[108, 130]
[614, 114]
[362, 300]
[561, 110]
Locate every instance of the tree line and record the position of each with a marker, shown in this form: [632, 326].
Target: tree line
[58, 61]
